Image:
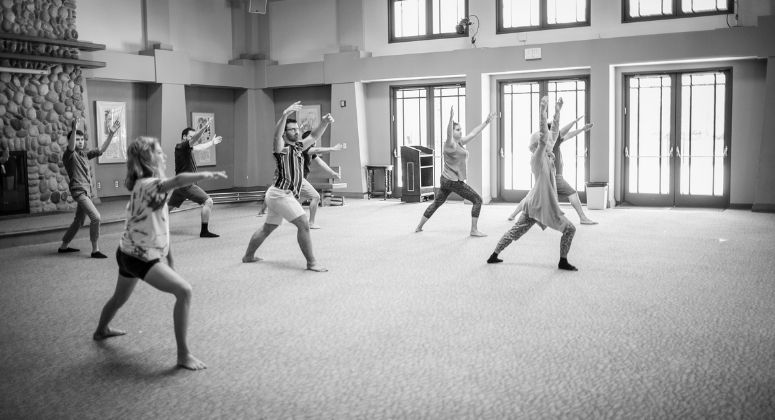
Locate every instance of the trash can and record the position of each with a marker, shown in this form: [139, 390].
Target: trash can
[597, 195]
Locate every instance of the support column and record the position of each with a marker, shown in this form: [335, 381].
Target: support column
[764, 192]
[167, 118]
[350, 127]
[253, 161]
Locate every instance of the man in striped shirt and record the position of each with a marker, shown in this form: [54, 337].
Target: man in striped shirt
[281, 197]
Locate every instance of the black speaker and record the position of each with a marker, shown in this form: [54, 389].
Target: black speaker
[257, 6]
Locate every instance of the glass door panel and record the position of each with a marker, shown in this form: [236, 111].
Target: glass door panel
[411, 124]
[688, 166]
[520, 103]
[648, 148]
[703, 146]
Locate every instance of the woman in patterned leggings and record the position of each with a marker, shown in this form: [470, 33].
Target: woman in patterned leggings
[540, 204]
[453, 176]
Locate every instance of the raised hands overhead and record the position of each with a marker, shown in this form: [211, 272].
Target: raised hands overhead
[294, 107]
[328, 118]
[491, 116]
[114, 128]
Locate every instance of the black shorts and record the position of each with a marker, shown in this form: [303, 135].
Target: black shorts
[191, 192]
[129, 266]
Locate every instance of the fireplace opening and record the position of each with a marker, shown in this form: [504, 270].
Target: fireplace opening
[13, 184]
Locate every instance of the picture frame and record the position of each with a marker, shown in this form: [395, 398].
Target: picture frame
[308, 118]
[206, 156]
[106, 113]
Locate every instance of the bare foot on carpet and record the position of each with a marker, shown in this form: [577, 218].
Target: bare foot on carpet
[317, 268]
[478, 234]
[253, 259]
[107, 333]
[419, 229]
[190, 362]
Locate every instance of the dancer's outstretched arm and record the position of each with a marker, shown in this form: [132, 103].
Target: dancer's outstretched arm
[279, 128]
[187, 178]
[213, 141]
[111, 132]
[317, 150]
[575, 133]
[327, 169]
[478, 129]
[71, 138]
[555, 131]
[196, 138]
[318, 131]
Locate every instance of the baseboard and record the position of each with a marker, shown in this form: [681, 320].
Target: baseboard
[763, 208]
[740, 206]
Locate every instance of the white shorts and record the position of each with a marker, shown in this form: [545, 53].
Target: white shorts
[281, 204]
[308, 192]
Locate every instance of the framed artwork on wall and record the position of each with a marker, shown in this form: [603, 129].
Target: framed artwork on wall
[309, 117]
[107, 113]
[206, 156]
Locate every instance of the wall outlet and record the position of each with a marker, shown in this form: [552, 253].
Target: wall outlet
[115, 183]
[99, 185]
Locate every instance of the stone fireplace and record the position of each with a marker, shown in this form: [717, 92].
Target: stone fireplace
[41, 92]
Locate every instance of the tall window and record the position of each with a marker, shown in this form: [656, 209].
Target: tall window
[520, 102]
[420, 117]
[528, 15]
[677, 139]
[636, 10]
[413, 20]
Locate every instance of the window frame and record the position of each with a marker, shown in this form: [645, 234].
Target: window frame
[677, 13]
[392, 38]
[543, 81]
[430, 130]
[542, 25]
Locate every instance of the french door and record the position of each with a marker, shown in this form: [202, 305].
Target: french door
[677, 139]
[419, 117]
[520, 102]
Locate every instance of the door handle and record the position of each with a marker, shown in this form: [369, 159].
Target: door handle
[725, 151]
[626, 152]
[503, 154]
[678, 152]
[670, 153]
[586, 152]
[395, 153]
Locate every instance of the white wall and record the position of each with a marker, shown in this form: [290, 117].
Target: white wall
[605, 23]
[202, 28]
[116, 23]
[302, 31]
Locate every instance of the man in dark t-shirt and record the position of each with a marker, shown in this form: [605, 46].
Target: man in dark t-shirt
[191, 140]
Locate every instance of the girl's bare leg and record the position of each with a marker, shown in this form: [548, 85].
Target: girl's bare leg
[124, 288]
[164, 278]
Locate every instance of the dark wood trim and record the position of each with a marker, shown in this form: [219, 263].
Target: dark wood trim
[677, 13]
[81, 45]
[87, 64]
[542, 20]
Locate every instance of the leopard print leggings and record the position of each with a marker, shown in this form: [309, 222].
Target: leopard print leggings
[524, 223]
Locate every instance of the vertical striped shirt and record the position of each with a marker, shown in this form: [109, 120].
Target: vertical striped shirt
[290, 168]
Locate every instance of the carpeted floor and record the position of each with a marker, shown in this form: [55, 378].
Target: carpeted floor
[670, 316]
